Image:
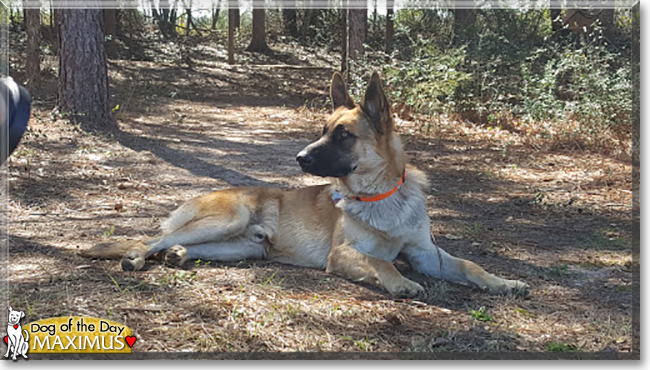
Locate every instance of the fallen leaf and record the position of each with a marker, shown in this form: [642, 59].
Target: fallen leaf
[453, 237]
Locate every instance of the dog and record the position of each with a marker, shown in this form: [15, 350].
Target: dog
[372, 212]
[16, 343]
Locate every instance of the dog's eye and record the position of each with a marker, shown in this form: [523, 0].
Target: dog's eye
[344, 134]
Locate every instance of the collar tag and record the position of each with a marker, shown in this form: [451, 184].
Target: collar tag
[336, 196]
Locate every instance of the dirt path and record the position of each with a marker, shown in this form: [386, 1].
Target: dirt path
[559, 220]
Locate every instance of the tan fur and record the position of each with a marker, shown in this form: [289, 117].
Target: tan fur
[305, 227]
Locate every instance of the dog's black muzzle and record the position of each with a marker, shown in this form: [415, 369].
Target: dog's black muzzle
[323, 160]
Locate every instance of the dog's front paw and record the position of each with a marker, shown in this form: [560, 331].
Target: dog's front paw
[176, 255]
[512, 287]
[404, 287]
[132, 261]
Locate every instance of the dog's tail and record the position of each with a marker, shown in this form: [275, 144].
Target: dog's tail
[114, 250]
[26, 335]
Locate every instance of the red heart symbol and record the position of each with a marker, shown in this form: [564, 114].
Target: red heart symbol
[6, 340]
[16, 326]
[130, 340]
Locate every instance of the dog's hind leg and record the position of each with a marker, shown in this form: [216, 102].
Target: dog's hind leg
[237, 249]
[248, 246]
[176, 255]
[130, 251]
[25, 345]
[133, 259]
[197, 224]
[208, 229]
[211, 228]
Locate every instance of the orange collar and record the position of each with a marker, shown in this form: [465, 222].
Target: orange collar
[375, 198]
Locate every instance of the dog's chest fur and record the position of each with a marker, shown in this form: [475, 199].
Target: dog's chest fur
[11, 330]
[381, 229]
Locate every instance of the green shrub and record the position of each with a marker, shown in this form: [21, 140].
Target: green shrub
[513, 72]
[560, 347]
[480, 314]
[590, 84]
[425, 82]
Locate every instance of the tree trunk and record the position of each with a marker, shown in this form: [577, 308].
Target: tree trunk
[374, 17]
[237, 17]
[188, 14]
[190, 20]
[215, 15]
[556, 19]
[164, 16]
[12, 18]
[289, 18]
[310, 19]
[33, 62]
[365, 23]
[356, 33]
[607, 21]
[173, 15]
[464, 20]
[83, 77]
[232, 13]
[344, 39]
[55, 27]
[110, 33]
[154, 14]
[390, 26]
[635, 13]
[258, 42]
[51, 14]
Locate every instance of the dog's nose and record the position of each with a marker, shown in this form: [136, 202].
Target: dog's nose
[305, 159]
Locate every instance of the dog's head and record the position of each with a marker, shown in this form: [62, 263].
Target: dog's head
[15, 316]
[357, 138]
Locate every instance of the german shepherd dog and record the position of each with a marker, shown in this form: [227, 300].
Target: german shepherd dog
[372, 212]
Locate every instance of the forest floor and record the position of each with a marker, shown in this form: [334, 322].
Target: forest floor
[558, 219]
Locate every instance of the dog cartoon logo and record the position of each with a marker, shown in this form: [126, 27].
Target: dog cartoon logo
[16, 342]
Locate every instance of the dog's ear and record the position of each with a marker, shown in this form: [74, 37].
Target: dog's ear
[22, 314]
[376, 106]
[339, 93]
[10, 309]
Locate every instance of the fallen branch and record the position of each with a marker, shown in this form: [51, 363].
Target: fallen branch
[283, 66]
